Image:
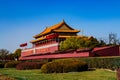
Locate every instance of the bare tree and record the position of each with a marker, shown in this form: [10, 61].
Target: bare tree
[103, 41]
[113, 40]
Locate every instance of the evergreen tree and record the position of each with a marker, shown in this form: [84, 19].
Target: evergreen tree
[17, 53]
[81, 42]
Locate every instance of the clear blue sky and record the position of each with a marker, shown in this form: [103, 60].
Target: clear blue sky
[22, 19]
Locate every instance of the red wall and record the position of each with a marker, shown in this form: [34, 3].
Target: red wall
[45, 50]
[39, 50]
[27, 53]
[45, 43]
[63, 55]
[101, 51]
[105, 51]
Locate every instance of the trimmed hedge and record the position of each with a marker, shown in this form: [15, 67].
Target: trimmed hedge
[107, 63]
[102, 62]
[11, 64]
[29, 65]
[63, 66]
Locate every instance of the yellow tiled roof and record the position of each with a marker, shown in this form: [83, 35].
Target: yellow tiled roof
[42, 38]
[66, 30]
[52, 28]
[69, 36]
[39, 39]
[47, 30]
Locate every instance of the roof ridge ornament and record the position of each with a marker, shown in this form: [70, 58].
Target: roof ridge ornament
[63, 20]
[46, 27]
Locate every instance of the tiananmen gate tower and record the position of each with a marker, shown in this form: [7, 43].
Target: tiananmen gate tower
[46, 45]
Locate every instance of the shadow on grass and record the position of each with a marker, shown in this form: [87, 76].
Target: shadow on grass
[91, 69]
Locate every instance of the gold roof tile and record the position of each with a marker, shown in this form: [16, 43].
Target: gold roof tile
[66, 30]
[43, 38]
[69, 36]
[53, 28]
[39, 39]
[47, 30]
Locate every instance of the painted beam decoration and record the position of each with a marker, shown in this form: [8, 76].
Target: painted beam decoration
[23, 45]
[51, 36]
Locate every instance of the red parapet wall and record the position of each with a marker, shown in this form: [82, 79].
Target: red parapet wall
[45, 50]
[40, 50]
[100, 51]
[66, 55]
[27, 53]
[105, 51]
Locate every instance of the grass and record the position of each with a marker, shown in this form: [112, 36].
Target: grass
[98, 74]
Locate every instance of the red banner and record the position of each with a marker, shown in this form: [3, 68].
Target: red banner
[23, 45]
[52, 36]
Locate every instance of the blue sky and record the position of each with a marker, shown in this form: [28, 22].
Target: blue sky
[22, 19]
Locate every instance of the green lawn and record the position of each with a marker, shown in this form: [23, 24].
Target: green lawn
[98, 74]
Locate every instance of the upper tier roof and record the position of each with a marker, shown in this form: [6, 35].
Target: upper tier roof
[55, 28]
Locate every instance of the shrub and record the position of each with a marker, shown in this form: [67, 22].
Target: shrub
[64, 65]
[11, 64]
[29, 65]
[2, 65]
[102, 62]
